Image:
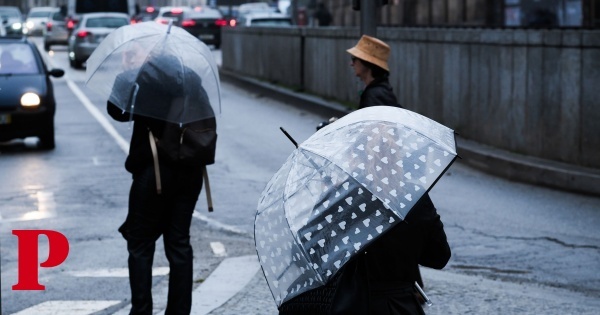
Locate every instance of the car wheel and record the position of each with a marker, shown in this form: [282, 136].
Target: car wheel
[47, 138]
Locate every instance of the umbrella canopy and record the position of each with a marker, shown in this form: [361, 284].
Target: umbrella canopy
[341, 189]
[155, 70]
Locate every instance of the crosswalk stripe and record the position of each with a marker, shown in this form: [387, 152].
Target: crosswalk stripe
[115, 272]
[67, 307]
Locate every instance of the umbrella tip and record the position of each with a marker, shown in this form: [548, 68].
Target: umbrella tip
[289, 137]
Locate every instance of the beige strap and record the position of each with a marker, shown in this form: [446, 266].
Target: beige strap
[155, 157]
[207, 189]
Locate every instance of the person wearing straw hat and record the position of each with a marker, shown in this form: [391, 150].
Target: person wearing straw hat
[385, 278]
[369, 59]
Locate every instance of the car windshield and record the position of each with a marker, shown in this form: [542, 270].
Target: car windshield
[271, 22]
[17, 59]
[110, 22]
[10, 13]
[39, 14]
[205, 13]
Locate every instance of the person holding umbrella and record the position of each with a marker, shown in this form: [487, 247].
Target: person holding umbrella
[165, 82]
[384, 279]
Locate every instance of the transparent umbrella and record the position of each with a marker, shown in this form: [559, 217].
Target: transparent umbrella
[343, 188]
[158, 71]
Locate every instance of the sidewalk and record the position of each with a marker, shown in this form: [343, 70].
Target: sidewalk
[488, 159]
[450, 293]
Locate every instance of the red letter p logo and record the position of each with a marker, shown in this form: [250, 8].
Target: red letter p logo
[58, 250]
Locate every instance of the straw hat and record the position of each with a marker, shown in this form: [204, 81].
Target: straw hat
[372, 50]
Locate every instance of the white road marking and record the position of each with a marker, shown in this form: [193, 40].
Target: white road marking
[218, 249]
[67, 307]
[99, 117]
[115, 272]
[232, 275]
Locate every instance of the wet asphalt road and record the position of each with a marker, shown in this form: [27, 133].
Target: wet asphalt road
[497, 229]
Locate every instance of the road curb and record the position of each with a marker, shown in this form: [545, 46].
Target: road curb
[485, 158]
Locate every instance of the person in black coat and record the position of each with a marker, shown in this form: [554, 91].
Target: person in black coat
[153, 213]
[381, 279]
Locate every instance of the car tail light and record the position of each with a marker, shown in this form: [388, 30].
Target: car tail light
[71, 24]
[49, 26]
[177, 10]
[83, 34]
[221, 22]
[232, 22]
[188, 23]
[162, 21]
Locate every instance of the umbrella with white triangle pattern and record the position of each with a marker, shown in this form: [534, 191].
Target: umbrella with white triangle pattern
[343, 188]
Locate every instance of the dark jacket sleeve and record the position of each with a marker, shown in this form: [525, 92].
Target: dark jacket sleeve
[117, 113]
[436, 250]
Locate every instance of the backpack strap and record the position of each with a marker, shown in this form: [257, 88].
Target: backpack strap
[155, 157]
[207, 189]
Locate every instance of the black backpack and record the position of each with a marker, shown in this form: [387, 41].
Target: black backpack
[191, 143]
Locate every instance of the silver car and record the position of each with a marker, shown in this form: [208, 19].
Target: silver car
[12, 19]
[36, 20]
[89, 32]
[56, 32]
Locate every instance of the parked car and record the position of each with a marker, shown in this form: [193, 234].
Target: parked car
[265, 19]
[36, 20]
[27, 103]
[12, 18]
[203, 22]
[56, 32]
[89, 32]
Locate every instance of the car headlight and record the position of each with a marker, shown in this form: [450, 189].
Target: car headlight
[30, 100]
[16, 26]
[29, 24]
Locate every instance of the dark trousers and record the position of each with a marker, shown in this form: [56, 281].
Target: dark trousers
[168, 214]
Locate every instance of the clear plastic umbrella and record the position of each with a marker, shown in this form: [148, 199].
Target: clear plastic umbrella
[342, 189]
[155, 70]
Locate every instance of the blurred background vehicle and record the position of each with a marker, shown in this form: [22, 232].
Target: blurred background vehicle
[264, 19]
[27, 103]
[75, 8]
[12, 18]
[56, 32]
[36, 20]
[204, 23]
[171, 13]
[89, 32]
[148, 13]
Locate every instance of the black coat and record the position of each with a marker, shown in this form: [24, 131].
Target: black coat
[378, 92]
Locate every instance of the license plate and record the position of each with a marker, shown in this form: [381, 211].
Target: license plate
[5, 119]
[206, 36]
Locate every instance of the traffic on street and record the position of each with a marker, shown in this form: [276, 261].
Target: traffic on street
[516, 248]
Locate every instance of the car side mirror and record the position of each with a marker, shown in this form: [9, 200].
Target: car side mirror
[57, 73]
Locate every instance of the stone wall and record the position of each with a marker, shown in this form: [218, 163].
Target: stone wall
[531, 92]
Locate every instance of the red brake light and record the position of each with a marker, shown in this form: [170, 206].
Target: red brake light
[232, 22]
[177, 10]
[162, 21]
[150, 9]
[83, 34]
[188, 23]
[221, 22]
[49, 26]
[70, 24]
